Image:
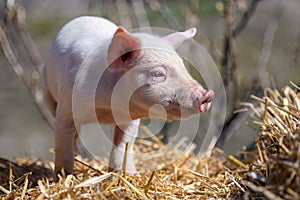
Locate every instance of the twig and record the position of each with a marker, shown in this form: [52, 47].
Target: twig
[147, 187]
[232, 178]
[280, 108]
[294, 85]
[229, 56]
[237, 119]
[140, 13]
[124, 13]
[20, 69]
[245, 18]
[5, 191]
[150, 134]
[24, 190]
[88, 166]
[296, 55]
[168, 16]
[91, 6]
[262, 190]
[267, 46]
[125, 158]
[13, 60]
[31, 49]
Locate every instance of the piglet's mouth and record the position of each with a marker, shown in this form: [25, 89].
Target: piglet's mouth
[204, 106]
[206, 102]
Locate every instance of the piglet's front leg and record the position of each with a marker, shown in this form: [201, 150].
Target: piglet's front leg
[124, 133]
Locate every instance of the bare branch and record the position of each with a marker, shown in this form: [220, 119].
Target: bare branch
[262, 81]
[234, 121]
[140, 13]
[229, 53]
[124, 11]
[237, 119]
[21, 72]
[245, 18]
[26, 39]
[13, 58]
[296, 54]
[168, 16]
[91, 6]
[267, 46]
[100, 7]
[229, 56]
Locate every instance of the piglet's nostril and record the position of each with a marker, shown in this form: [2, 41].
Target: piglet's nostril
[205, 93]
[207, 96]
[210, 94]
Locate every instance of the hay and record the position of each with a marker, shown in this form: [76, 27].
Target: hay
[278, 144]
[270, 171]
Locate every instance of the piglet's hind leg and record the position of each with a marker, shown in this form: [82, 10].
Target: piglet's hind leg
[65, 146]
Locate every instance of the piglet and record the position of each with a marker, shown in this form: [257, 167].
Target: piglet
[98, 72]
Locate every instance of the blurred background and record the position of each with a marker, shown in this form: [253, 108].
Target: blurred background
[255, 44]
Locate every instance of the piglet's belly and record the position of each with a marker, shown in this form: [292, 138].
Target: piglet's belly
[105, 116]
[90, 116]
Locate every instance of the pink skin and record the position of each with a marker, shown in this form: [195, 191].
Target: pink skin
[92, 62]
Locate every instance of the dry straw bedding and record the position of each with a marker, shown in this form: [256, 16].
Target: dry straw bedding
[270, 170]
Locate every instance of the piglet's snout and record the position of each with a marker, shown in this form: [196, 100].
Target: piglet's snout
[203, 99]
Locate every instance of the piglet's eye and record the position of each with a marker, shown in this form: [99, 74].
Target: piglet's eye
[157, 74]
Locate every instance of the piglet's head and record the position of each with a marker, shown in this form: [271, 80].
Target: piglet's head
[159, 75]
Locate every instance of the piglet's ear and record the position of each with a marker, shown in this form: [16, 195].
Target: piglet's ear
[175, 39]
[123, 50]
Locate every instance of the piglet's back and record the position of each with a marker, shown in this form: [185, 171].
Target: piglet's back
[71, 47]
[83, 31]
